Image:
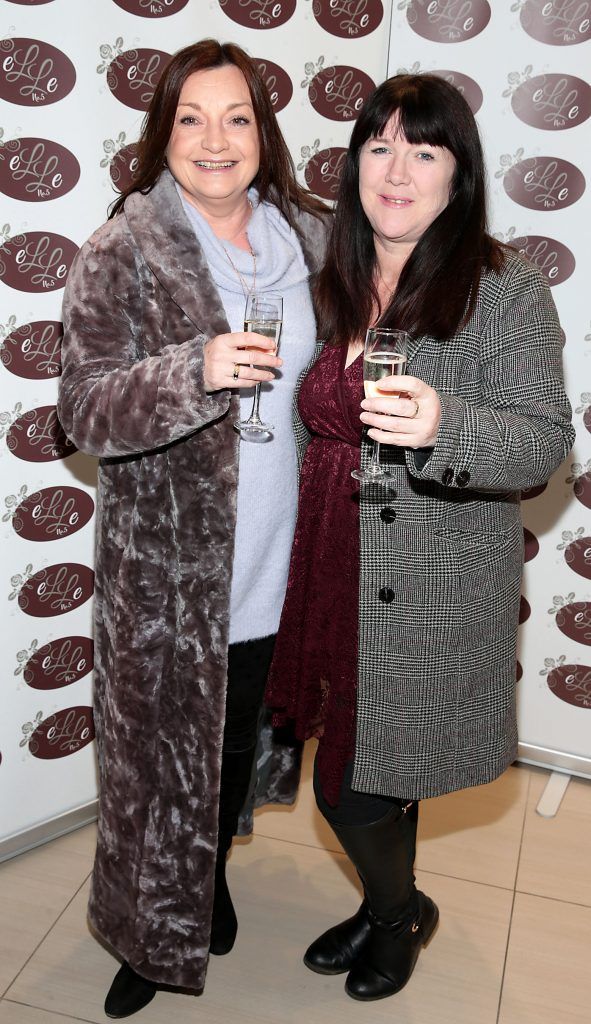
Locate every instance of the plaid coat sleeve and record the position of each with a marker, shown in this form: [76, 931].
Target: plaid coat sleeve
[515, 430]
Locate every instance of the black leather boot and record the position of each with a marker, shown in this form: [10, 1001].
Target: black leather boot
[337, 949]
[235, 781]
[128, 993]
[401, 920]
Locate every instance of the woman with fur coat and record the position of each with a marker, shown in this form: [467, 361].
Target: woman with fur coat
[191, 565]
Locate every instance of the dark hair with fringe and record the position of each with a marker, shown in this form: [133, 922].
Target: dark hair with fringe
[437, 287]
[275, 180]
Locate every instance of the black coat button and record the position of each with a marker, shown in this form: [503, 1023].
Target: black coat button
[387, 515]
[447, 477]
[387, 595]
[463, 478]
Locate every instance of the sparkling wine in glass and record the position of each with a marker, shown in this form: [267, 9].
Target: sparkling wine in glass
[384, 355]
[264, 315]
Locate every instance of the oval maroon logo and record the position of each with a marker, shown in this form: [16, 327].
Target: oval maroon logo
[557, 22]
[35, 170]
[57, 589]
[518, 671]
[60, 663]
[533, 492]
[531, 545]
[278, 83]
[123, 167]
[544, 183]
[33, 351]
[33, 73]
[448, 21]
[323, 172]
[582, 489]
[260, 14]
[152, 8]
[53, 513]
[38, 436]
[37, 262]
[578, 556]
[133, 76]
[349, 19]
[574, 620]
[553, 102]
[524, 610]
[571, 683]
[556, 262]
[340, 92]
[469, 89]
[30, 3]
[64, 733]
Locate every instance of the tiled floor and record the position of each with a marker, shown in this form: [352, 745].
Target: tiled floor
[513, 946]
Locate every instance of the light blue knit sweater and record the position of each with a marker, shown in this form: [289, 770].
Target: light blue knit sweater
[267, 487]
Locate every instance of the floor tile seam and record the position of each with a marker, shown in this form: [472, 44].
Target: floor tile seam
[295, 842]
[514, 898]
[45, 935]
[44, 1009]
[553, 899]
[460, 878]
[424, 871]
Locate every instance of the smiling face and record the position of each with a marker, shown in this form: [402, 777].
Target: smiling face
[403, 187]
[213, 151]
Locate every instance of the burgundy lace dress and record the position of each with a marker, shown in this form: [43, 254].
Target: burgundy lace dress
[313, 678]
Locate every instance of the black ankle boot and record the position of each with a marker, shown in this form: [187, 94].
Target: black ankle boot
[389, 955]
[337, 949]
[235, 781]
[128, 993]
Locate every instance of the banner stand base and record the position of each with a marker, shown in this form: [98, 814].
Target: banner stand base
[554, 791]
[30, 838]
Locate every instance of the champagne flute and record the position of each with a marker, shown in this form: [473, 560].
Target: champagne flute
[384, 355]
[264, 315]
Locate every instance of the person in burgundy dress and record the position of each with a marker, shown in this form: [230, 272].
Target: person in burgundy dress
[396, 646]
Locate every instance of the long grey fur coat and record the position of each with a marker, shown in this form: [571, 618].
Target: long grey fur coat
[139, 304]
[441, 553]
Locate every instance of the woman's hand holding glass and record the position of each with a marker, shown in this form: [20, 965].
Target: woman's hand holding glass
[228, 360]
[408, 418]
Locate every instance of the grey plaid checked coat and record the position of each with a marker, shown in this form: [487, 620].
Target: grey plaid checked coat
[442, 555]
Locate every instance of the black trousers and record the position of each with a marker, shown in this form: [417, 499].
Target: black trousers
[248, 668]
[356, 808]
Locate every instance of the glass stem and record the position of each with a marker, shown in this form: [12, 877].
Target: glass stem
[254, 416]
[374, 465]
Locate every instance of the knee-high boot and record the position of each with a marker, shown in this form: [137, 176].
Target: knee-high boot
[336, 950]
[401, 919]
[380, 944]
[235, 780]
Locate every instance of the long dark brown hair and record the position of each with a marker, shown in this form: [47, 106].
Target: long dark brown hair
[437, 287]
[275, 179]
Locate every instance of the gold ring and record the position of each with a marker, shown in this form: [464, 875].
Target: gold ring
[416, 412]
[237, 373]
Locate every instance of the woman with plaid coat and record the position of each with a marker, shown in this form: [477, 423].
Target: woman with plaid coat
[397, 640]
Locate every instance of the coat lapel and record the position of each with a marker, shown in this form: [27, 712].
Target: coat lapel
[414, 346]
[168, 244]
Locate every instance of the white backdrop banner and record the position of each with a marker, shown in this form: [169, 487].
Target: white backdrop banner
[75, 81]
